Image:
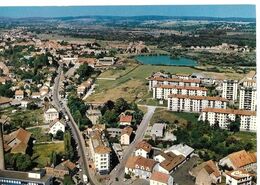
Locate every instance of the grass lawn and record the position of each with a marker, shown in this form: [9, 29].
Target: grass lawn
[39, 135]
[43, 151]
[165, 115]
[132, 86]
[116, 73]
[247, 136]
[33, 117]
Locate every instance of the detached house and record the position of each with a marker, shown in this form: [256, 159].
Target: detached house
[19, 95]
[143, 149]
[51, 114]
[158, 178]
[139, 166]
[125, 120]
[240, 160]
[55, 126]
[206, 173]
[126, 133]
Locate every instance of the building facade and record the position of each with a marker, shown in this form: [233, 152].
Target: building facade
[229, 89]
[247, 98]
[224, 116]
[163, 91]
[187, 103]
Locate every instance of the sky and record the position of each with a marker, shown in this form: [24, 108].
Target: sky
[245, 11]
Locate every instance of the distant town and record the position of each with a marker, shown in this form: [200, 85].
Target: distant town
[85, 107]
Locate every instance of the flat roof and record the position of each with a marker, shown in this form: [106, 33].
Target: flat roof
[17, 175]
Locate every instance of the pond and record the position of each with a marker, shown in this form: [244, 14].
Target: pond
[165, 60]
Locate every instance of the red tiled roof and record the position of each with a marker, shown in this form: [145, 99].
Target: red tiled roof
[126, 118]
[212, 98]
[242, 158]
[144, 145]
[230, 111]
[160, 177]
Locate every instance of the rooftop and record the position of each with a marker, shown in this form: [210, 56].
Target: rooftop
[211, 98]
[144, 145]
[231, 111]
[238, 174]
[242, 158]
[160, 177]
[180, 149]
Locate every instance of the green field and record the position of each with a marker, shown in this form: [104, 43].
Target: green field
[165, 115]
[42, 152]
[132, 86]
[39, 135]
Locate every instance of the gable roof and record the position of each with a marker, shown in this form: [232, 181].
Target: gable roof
[127, 130]
[126, 118]
[54, 122]
[22, 136]
[242, 158]
[144, 145]
[172, 161]
[209, 166]
[160, 177]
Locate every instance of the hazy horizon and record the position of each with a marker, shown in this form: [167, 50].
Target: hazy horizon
[216, 11]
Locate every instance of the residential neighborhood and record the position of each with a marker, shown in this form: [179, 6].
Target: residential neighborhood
[116, 100]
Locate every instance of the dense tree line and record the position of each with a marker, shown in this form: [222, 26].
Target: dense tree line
[78, 110]
[211, 141]
[111, 111]
[20, 162]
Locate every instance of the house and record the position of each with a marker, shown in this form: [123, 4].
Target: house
[55, 126]
[181, 149]
[140, 167]
[19, 95]
[126, 133]
[51, 114]
[93, 115]
[65, 168]
[125, 119]
[168, 162]
[238, 177]
[84, 86]
[143, 149]
[114, 132]
[5, 102]
[240, 160]
[44, 90]
[36, 95]
[159, 178]
[24, 103]
[158, 129]
[106, 61]
[206, 173]
[17, 141]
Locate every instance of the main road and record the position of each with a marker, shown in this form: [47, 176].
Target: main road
[119, 170]
[61, 106]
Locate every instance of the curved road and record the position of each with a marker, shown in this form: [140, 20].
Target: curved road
[74, 129]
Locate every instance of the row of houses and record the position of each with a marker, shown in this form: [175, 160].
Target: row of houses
[156, 167]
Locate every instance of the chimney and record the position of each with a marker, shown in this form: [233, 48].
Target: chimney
[2, 160]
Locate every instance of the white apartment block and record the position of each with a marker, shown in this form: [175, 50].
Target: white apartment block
[224, 116]
[100, 152]
[247, 98]
[186, 103]
[249, 83]
[229, 89]
[163, 91]
[172, 81]
[238, 177]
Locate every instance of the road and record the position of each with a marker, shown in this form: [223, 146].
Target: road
[74, 129]
[119, 170]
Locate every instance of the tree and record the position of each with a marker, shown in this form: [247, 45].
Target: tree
[23, 162]
[121, 105]
[67, 180]
[53, 158]
[69, 153]
[84, 71]
[59, 135]
[234, 126]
